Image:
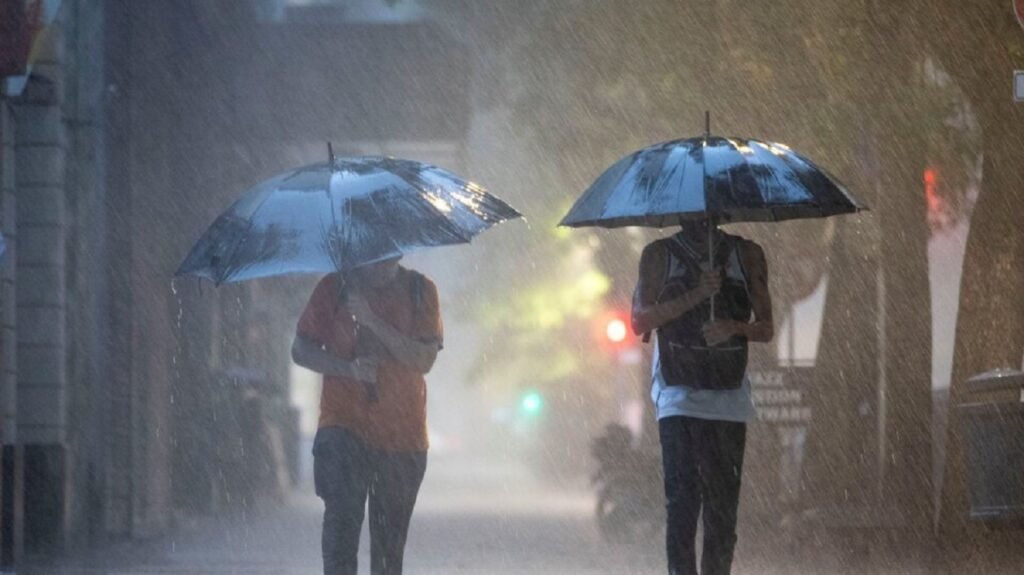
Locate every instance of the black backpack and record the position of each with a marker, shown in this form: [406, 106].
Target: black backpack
[685, 357]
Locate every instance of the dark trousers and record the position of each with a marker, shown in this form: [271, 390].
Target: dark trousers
[346, 473]
[703, 463]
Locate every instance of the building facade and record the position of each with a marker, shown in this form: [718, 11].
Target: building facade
[137, 124]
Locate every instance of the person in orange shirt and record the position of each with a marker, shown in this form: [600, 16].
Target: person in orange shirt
[373, 336]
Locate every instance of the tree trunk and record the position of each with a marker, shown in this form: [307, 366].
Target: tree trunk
[990, 323]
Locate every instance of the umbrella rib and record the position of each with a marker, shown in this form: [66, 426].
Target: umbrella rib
[704, 172]
[728, 174]
[775, 175]
[228, 269]
[682, 175]
[799, 174]
[334, 226]
[453, 228]
[782, 186]
[382, 216]
[265, 233]
[748, 165]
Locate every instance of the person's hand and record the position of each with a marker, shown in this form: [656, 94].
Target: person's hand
[365, 369]
[360, 309]
[719, 331]
[710, 283]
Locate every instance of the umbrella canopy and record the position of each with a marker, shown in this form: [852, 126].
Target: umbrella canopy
[724, 179]
[341, 214]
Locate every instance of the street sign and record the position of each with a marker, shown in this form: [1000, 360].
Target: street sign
[1018, 85]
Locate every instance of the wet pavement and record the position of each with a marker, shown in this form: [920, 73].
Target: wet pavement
[471, 518]
[483, 519]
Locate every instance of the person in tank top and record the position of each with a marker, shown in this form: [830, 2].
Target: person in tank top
[702, 397]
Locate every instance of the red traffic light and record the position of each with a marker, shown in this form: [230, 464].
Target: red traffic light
[612, 329]
[616, 330]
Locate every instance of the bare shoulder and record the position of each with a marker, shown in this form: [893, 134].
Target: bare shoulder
[418, 276]
[325, 287]
[653, 262]
[422, 286]
[653, 253]
[752, 252]
[429, 288]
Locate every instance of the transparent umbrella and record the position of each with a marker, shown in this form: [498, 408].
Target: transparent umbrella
[341, 214]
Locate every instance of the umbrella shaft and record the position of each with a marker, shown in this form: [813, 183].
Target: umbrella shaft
[711, 259]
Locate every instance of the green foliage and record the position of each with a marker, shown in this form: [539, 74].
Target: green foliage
[589, 82]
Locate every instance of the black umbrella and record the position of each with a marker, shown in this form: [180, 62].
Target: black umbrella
[711, 177]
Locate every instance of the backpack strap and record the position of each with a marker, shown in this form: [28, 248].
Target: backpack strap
[681, 252]
[418, 286]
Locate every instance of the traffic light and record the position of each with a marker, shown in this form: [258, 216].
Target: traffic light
[612, 329]
[616, 330]
[531, 403]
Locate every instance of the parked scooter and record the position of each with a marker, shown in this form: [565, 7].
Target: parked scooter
[630, 498]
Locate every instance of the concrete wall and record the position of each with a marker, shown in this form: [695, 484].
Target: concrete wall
[85, 270]
[8, 317]
[138, 126]
[41, 153]
[52, 194]
[11, 455]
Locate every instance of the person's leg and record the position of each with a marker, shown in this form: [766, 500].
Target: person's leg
[682, 494]
[341, 475]
[721, 474]
[396, 483]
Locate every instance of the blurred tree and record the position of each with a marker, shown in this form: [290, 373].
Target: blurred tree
[990, 327]
[603, 79]
[578, 102]
[848, 83]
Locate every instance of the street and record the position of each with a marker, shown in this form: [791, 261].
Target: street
[473, 517]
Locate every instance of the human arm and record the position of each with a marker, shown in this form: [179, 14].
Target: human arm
[311, 355]
[649, 313]
[418, 354]
[318, 324]
[762, 328]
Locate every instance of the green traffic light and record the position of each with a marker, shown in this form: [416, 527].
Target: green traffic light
[532, 402]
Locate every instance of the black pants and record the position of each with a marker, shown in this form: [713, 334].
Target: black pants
[703, 463]
[346, 472]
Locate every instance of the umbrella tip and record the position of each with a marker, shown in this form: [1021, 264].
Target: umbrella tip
[330, 154]
[707, 123]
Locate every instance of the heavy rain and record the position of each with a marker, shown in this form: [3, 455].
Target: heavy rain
[202, 203]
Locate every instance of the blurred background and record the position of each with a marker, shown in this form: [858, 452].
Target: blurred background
[134, 405]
